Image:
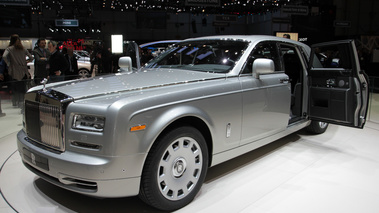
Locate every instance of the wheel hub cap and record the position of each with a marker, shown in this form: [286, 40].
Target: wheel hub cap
[322, 124]
[179, 167]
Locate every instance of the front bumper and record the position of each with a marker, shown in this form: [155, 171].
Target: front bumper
[99, 176]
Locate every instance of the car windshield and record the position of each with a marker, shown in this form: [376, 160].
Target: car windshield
[217, 56]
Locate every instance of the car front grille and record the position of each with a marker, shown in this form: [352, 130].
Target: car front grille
[44, 119]
[43, 124]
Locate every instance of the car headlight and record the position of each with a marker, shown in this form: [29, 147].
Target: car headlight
[89, 122]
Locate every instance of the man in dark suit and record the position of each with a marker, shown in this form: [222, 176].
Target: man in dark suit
[41, 61]
[72, 71]
[58, 64]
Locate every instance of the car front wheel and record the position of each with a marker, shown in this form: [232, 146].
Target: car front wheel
[175, 169]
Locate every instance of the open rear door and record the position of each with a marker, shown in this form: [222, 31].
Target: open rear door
[338, 89]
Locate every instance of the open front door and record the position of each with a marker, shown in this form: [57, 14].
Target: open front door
[338, 89]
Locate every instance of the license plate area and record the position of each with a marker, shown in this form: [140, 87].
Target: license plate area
[37, 160]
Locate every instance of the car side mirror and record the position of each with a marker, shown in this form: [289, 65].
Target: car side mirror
[125, 63]
[263, 66]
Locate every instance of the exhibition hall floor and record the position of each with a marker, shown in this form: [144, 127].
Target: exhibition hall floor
[337, 171]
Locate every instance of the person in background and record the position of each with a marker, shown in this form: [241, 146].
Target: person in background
[72, 71]
[15, 57]
[146, 56]
[95, 58]
[41, 61]
[3, 70]
[58, 64]
[287, 36]
[105, 60]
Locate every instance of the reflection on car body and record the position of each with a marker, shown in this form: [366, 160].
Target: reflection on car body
[154, 131]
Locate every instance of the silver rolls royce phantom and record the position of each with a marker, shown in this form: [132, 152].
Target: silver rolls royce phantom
[154, 131]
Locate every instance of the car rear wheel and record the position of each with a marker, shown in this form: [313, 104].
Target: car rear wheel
[175, 169]
[317, 127]
[84, 73]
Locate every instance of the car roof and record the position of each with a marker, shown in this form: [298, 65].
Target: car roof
[159, 42]
[251, 38]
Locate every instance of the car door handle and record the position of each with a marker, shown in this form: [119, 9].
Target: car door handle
[284, 80]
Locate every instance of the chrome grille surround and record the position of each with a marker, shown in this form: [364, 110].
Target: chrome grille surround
[44, 118]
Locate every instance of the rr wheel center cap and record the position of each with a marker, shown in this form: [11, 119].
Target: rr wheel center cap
[179, 167]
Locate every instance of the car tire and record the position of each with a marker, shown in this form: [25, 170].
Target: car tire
[175, 169]
[84, 73]
[317, 127]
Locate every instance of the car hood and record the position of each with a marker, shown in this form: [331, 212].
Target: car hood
[123, 82]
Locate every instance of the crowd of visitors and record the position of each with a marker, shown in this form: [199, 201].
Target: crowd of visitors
[52, 61]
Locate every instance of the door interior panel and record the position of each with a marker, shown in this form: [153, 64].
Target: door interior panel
[331, 103]
[331, 95]
[336, 86]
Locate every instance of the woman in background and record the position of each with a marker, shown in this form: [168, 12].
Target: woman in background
[15, 57]
[3, 72]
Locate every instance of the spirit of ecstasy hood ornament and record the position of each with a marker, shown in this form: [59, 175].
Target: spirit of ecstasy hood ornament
[44, 81]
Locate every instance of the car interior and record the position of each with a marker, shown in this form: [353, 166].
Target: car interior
[294, 69]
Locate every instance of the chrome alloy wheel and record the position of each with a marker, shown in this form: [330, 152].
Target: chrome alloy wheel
[323, 125]
[83, 73]
[317, 127]
[179, 168]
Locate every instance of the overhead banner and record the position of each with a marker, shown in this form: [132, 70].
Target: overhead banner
[346, 24]
[15, 17]
[226, 18]
[295, 10]
[205, 3]
[15, 2]
[66, 23]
